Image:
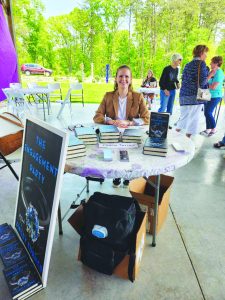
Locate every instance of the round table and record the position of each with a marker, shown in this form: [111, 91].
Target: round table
[139, 164]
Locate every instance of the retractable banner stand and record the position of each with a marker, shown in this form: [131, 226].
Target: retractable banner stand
[43, 160]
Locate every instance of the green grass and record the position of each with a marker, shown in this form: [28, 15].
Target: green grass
[93, 92]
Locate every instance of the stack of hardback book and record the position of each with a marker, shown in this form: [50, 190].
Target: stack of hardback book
[109, 134]
[132, 136]
[156, 143]
[87, 135]
[76, 147]
[20, 273]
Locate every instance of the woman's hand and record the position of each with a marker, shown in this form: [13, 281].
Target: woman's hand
[123, 123]
[111, 122]
[211, 73]
[167, 93]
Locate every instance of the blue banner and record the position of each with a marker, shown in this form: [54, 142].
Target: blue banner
[107, 69]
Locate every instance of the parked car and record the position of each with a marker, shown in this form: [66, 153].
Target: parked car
[29, 69]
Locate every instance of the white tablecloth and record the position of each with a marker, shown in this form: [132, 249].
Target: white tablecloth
[138, 165]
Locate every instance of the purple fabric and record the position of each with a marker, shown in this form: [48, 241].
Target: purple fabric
[8, 60]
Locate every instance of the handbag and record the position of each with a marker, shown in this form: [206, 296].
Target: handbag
[202, 94]
[11, 133]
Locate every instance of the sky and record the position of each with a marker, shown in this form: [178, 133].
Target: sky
[59, 7]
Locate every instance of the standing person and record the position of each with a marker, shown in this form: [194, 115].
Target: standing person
[215, 81]
[190, 107]
[123, 107]
[168, 84]
[149, 81]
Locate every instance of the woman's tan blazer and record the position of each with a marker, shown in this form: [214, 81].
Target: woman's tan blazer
[109, 106]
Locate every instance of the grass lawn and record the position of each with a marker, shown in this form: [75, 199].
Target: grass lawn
[93, 92]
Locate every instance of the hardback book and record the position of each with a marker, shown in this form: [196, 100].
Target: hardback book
[155, 144]
[109, 136]
[108, 130]
[75, 143]
[22, 278]
[7, 234]
[154, 153]
[89, 141]
[158, 126]
[85, 132]
[138, 141]
[30, 293]
[75, 151]
[131, 138]
[12, 253]
[107, 139]
[132, 133]
[74, 155]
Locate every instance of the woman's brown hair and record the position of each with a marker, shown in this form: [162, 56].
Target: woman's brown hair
[130, 88]
[199, 50]
[217, 60]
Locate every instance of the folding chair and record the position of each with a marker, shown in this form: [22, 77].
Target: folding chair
[55, 87]
[17, 101]
[79, 94]
[31, 85]
[63, 103]
[9, 159]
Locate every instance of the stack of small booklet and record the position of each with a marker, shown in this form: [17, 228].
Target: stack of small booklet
[109, 134]
[87, 135]
[156, 143]
[132, 136]
[76, 147]
[20, 273]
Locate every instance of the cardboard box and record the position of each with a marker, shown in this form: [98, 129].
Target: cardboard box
[77, 222]
[145, 193]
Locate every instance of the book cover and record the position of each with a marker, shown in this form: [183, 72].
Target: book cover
[158, 126]
[130, 133]
[21, 278]
[156, 144]
[108, 130]
[85, 131]
[12, 253]
[7, 235]
[75, 143]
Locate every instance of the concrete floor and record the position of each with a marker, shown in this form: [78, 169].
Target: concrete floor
[189, 259]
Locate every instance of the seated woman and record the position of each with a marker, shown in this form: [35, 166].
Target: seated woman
[122, 107]
[149, 81]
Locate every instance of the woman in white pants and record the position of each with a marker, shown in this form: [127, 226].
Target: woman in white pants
[190, 107]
